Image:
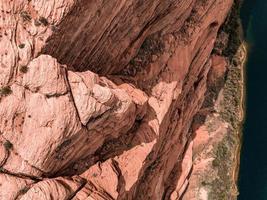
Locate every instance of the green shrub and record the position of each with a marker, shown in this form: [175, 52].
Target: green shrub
[23, 69]
[37, 23]
[43, 21]
[25, 16]
[21, 46]
[8, 145]
[4, 91]
[24, 190]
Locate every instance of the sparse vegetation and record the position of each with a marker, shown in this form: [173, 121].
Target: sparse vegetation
[227, 44]
[232, 96]
[151, 47]
[228, 40]
[5, 91]
[221, 186]
[24, 69]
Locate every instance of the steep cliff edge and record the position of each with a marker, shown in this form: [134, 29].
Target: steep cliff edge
[97, 98]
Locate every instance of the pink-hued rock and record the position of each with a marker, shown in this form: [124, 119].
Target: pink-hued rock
[97, 98]
[218, 69]
[206, 138]
[105, 176]
[82, 92]
[57, 188]
[186, 167]
[11, 186]
[52, 113]
[46, 76]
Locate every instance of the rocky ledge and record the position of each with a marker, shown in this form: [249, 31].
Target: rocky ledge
[118, 99]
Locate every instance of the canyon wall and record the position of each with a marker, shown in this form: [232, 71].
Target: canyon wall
[102, 99]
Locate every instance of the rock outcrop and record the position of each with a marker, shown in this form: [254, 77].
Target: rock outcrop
[97, 98]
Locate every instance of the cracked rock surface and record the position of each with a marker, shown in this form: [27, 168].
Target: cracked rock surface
[97, 97]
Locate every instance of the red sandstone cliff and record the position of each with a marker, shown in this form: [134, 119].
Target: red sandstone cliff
[98, 97]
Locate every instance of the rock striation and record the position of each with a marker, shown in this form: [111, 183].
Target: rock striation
[98, 99]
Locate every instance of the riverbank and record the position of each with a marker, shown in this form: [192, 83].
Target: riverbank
[231, 110]
[243, 59]
[226, 151]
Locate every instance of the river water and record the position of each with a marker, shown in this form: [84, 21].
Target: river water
[253, 166]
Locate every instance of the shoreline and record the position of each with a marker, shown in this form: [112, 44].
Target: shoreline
[242, 114]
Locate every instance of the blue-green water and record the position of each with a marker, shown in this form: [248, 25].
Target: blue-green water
[253, 166]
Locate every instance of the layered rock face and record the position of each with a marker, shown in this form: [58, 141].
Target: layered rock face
[98, 97]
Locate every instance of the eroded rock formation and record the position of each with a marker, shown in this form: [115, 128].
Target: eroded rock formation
[98, 97]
